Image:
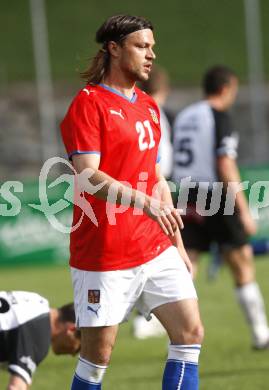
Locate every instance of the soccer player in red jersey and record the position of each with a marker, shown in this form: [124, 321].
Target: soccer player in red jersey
[128, 252]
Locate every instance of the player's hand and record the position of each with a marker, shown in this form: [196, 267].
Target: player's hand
[165, 215]
[248, 223]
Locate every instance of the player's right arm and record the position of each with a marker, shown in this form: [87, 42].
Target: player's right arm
[17, 383]
[157, 210]
[96, 177]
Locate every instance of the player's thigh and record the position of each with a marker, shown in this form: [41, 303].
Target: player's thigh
[166, 280]
[169, 293]
[182, 321]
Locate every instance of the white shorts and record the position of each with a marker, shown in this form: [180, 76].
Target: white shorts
[107, 298]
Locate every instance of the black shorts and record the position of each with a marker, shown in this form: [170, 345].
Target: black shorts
[200, 231]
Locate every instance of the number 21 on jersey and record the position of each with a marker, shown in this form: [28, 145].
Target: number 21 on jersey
[142, 129]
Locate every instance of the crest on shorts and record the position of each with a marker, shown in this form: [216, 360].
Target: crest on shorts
[154, 116]
[94, 296]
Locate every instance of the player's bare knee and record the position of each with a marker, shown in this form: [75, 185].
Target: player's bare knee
[104, 355]
[196, 335]
[189, 335]
[242, 265]
[100, 356]
[243, 273]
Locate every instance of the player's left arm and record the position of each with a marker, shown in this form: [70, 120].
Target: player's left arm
[176, 239]
[17, 383]
[228, 172]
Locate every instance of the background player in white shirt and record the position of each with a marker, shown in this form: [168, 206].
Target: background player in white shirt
[205, 149]
[28, 326]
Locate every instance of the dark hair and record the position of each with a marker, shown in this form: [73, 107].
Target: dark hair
[158, 80]
[216, 78]
[67, 313]
[115, 28]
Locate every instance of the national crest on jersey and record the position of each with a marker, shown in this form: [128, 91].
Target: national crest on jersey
[154, 116]
[94, 296]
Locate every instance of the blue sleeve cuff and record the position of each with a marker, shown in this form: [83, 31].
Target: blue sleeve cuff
[83, 152]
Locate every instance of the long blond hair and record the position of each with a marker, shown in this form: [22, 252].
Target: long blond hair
[96, 71]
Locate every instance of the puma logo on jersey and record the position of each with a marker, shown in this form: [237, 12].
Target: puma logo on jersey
[94, 310]
[87, 91]
[119, 113]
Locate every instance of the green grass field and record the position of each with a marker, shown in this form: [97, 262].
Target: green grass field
[227, 362]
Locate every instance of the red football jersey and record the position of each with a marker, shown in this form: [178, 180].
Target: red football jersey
[126, 134]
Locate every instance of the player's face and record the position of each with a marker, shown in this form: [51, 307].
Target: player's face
[136, 55]
[66, 343]
[230, 92]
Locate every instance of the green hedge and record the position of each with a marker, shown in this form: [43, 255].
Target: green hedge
[190, 35]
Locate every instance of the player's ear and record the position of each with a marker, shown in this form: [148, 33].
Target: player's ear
[225, 89]
[113, 49]
[70, 327]
[222, 90]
